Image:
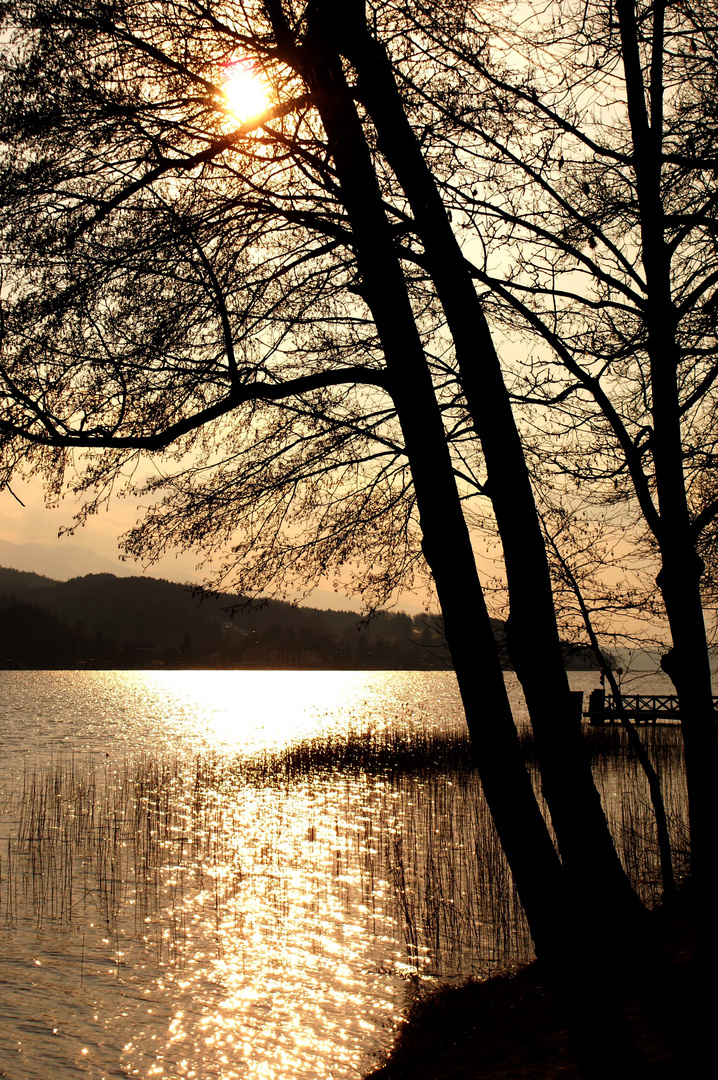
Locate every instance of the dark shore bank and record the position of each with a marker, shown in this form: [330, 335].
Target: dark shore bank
[508, 1028]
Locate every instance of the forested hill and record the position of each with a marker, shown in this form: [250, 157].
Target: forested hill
[101, 620]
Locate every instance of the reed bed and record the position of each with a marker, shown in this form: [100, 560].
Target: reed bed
[153, 842]
[391, 751]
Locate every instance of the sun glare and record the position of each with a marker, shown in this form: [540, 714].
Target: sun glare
[245, 91]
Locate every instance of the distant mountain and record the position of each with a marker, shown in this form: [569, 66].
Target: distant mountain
[58, 561]
[101, 620]
[107, 621]
[21, 582]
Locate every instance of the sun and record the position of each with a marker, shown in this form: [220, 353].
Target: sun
[245, 91]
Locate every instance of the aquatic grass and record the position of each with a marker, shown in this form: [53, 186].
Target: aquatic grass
[151, 844]
[452, 882]
[388, 751]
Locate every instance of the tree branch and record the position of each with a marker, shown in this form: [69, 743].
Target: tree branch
[256, 391]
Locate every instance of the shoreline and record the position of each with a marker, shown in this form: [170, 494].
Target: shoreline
[509, 1028]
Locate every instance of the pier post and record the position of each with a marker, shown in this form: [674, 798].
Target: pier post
[597, 707]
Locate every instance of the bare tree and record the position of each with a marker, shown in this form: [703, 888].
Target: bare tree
[174, 269]
[585, 149]
[279, 309]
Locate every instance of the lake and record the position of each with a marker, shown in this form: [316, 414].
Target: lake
[244, 874]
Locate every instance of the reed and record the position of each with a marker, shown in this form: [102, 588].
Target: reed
[155, 843]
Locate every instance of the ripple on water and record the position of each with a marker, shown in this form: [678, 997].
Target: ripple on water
[167, 926]
[167, 911]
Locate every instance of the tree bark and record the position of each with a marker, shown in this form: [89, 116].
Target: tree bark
[446, 540]
[584, 839]
[563, 935]
[688, 662]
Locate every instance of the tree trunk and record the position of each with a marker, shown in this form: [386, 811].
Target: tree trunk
[562, 933]
[446, 540]
[532, 634]
[688, 665]
[688, 662]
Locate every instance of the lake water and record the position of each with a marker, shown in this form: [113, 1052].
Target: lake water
[189, 888]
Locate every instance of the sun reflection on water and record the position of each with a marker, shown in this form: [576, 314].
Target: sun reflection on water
[277, 959]
[242, 870]
[262, 710]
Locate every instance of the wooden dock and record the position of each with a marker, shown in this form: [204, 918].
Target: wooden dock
[641, 708]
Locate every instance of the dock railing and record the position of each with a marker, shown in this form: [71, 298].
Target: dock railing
[641, 708]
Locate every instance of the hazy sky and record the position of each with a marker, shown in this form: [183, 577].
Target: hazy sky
[34, 523]
[93, 548]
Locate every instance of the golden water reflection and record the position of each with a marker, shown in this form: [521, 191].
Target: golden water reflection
[271, 943]
[241, 873]
[228, 929]
[47, 713]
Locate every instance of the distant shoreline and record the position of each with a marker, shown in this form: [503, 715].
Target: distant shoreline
[108, 623]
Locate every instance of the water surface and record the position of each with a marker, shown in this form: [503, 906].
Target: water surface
[189, 888]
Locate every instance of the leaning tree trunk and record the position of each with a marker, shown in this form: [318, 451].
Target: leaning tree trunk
[446, 541]
[582, 831]
[559, 927]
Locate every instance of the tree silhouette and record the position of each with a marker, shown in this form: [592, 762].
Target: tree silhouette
[279, 311]
[594, 163]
